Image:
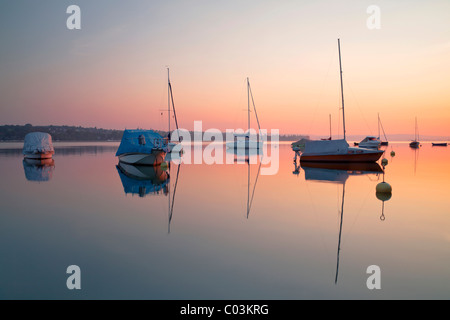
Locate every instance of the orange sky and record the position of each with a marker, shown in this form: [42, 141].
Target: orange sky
[112, 72]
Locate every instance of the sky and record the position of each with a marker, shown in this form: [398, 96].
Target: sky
[112, 73]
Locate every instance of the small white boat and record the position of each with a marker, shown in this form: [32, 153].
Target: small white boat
[38, 145]
[247, 140]
[370, 142]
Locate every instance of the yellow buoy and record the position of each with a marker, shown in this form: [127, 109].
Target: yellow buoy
[384, 187]
[384, 162]
[392, 153]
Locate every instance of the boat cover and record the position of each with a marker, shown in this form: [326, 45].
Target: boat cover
[140, 141]
[314, 147]
[37, 142]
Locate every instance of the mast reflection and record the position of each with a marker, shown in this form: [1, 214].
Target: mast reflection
[338, 173]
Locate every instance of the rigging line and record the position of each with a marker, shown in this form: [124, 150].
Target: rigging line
[320, 93]
[359, 212]
[254, 108]
[316, 216]
[173, 106]
[359, 108]
[384, 133]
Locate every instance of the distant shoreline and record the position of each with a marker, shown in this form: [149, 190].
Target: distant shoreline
[64, 133]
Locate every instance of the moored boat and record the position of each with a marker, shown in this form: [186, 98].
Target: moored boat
[142, 147]
[415, 143]
[338, 150]
[369, 142]
[439, 144]
[248, 140]
[38, 145]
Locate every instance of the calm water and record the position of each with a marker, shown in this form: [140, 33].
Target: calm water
[219, 236]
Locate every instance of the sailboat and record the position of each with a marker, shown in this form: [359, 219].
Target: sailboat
[380, 125]
[171, 144]
[338, 150]
[415, 143]
[372, 141]
[142, 147]
[246, 140]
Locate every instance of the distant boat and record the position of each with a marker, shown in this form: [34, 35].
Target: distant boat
[415, 143]
[338, 150]
[246, 140]
[329, 138]
[142, 147]
[38, 145]
[171, 144]
[370, 142]
[382, 143]
[440, 144]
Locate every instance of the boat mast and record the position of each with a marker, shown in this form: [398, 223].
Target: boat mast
[378, 126]
[342, 86]
[330, 126]
[254, 107]
[173, 104]
[248, 104]
[168, 98]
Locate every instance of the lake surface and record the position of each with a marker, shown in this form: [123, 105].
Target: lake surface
[200, 231]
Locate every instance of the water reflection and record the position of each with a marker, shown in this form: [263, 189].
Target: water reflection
[338, 173]
[63, 150]
[248, 156]
[143, 180]
[38, 169]
[172, 200]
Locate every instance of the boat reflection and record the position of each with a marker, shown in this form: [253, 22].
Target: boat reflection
[339, 173]
[248, 156]
[38, 169]
[172, 199]
[242, 155]
[143, 180]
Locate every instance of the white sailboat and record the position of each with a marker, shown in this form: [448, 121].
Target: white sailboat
[247, 140]
[338, 150]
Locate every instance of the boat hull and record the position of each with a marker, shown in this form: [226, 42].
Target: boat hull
[347, 157]
[145, 159]
[414, 144]
[439, 144]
